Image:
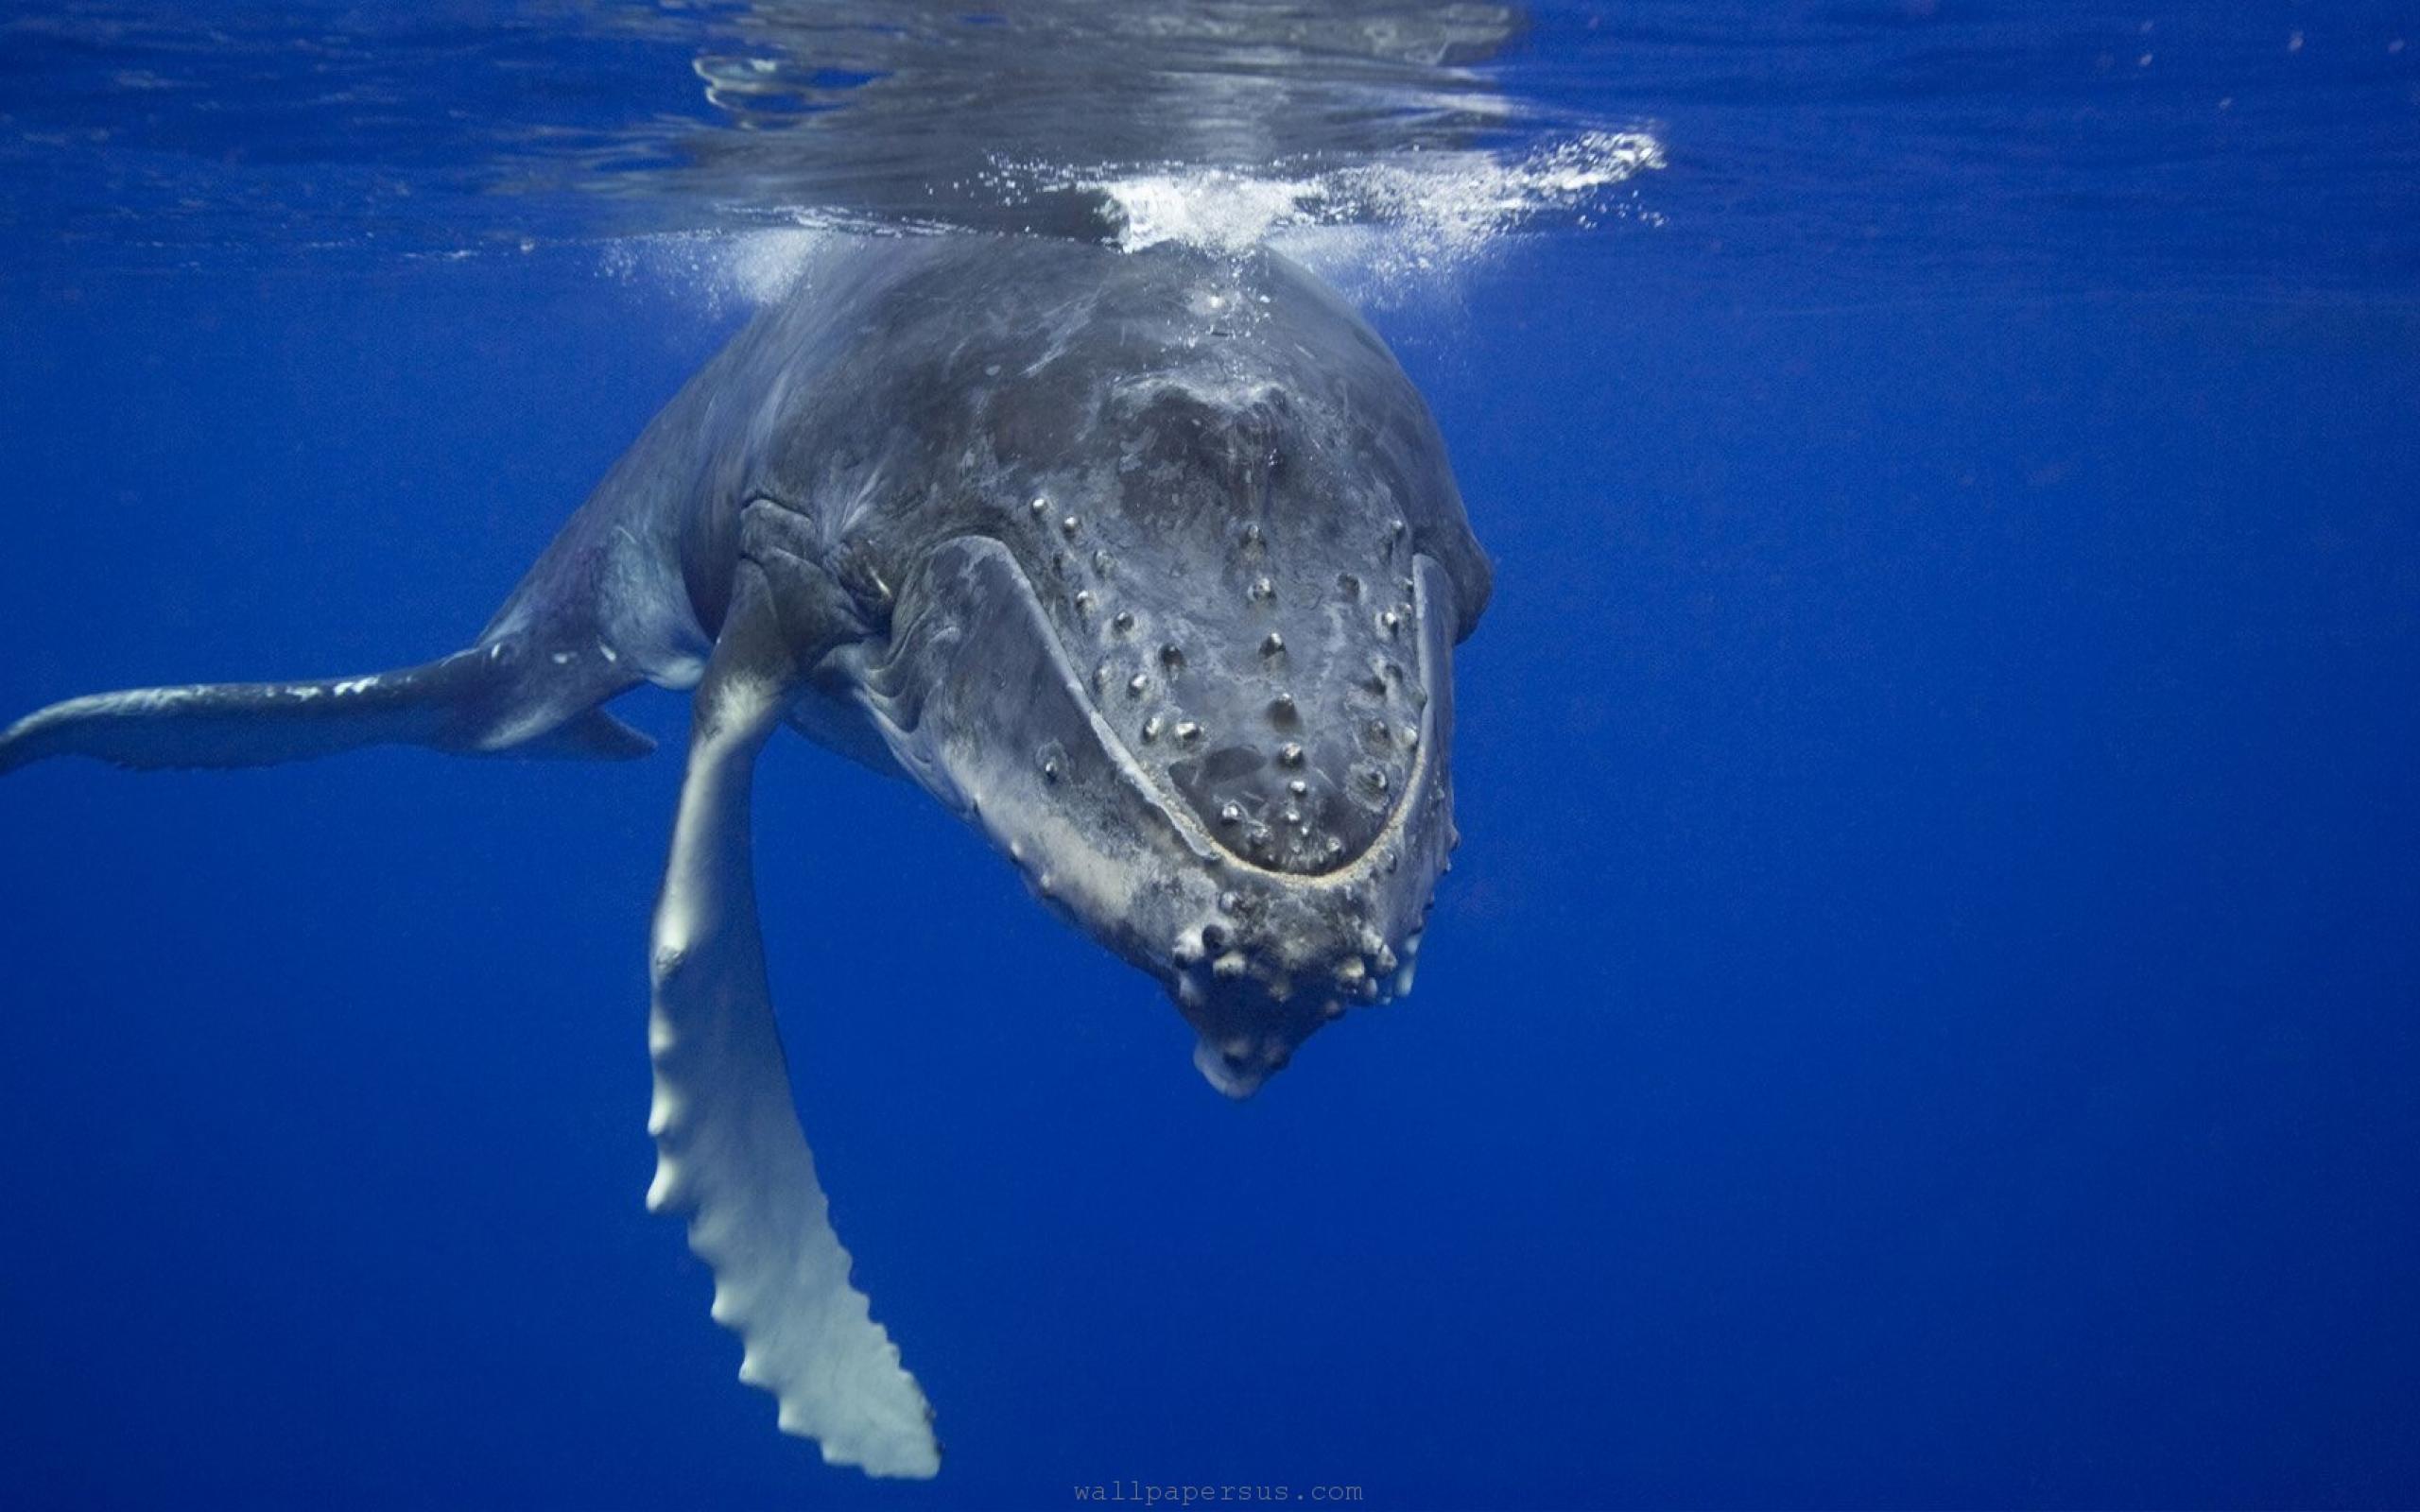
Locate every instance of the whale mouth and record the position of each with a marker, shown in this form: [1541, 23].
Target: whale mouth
[980, 699]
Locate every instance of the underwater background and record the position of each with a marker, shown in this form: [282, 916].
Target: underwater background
[1927, 1011]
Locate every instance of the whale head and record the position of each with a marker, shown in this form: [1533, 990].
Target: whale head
[1189, 662]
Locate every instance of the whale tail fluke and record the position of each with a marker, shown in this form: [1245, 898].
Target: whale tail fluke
[499, 698]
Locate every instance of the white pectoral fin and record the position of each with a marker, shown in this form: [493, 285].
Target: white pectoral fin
[729, 1154]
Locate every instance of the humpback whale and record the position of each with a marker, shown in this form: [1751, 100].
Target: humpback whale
[1149, 564]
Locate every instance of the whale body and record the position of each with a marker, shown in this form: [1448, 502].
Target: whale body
[1149, 564]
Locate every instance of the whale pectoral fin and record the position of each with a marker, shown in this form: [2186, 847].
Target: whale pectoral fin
[730, 1153]
[496, 698]
[593, 736]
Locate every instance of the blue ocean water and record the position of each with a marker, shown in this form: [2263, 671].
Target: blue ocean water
[1925, 1010]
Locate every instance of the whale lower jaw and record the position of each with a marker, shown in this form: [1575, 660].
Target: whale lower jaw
[976, 696]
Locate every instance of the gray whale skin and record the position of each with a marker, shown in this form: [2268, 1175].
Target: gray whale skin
[1151, 565]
